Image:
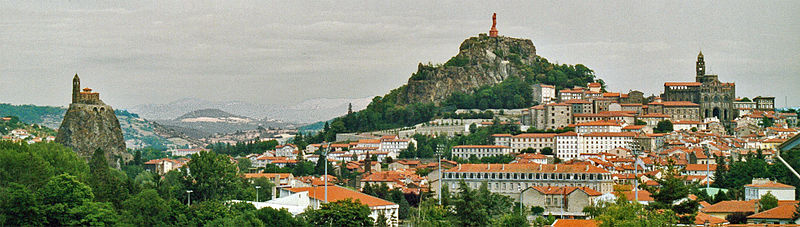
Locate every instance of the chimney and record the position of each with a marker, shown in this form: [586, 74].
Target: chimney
[489, 166]
[503, 167]
[459, 166]
[556, 169]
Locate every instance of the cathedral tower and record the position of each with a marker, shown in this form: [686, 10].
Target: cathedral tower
[76, 88]
[701, 66]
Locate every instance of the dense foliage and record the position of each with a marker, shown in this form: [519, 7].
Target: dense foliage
[512, 93]
[47, 184]
[624, 213]
[31, 114]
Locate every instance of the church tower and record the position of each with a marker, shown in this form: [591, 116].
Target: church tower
[701, 67]
[76, 88]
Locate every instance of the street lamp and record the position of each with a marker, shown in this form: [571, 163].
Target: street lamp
[257, 187]
[708, 167]
[189, 197]
[522, 192]
[636, 152]
[439, 148]
[325, 150]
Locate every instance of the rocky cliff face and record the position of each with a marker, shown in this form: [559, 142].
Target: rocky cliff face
[87, 127]
[481, 60]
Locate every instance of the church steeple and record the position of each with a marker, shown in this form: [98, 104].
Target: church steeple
[76, 88]
[701, 65]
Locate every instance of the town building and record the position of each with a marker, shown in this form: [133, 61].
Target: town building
[543, 93]
[566, 201]
[479, 151]
[510, 179]
[297, 200]
[715, 98]
[764, 103]
[760, 187]
[537, 141]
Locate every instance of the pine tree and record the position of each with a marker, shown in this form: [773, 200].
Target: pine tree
[106, 187]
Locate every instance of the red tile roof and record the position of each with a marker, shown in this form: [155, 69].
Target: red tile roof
[702, 218]
[535, 135]
[552, 190]
[610, 134]
[732, 206]
[691, 84]
[526, 168]
[480, 146]
[575, 223]
[769, 185]
[599, 123]
[630, 195]
[780, 212]
[336, 193]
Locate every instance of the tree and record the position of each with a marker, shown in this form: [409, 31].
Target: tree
[431, 214]
[211, 176]
[528, 150]
[67, 201]
[639, 122]
[663, 127]
[767, 201]
[20, 207]
[137, 157]
[766, 122]
[672, 189]
[624, 213]
[265, 192]
[547, 151]
[244, 164]
[145, 209]
[738, 217]
[319, 169]
[396, 195]
[510, 220]
[105, 186]
[381, 220]
[537, 210]
[280, 217]
[340, 213]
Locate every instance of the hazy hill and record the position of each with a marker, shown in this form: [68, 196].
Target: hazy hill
[308, 111]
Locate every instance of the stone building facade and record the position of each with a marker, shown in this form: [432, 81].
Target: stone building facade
[714, 97]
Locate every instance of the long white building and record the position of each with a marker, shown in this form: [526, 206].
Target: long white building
[479, 151]
[510, 179]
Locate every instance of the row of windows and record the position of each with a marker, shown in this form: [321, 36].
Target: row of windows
[529, 176]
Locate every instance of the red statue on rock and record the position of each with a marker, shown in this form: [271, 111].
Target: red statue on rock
[493, 31]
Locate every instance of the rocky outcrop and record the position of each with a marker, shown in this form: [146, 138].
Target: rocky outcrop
[481, 60]
[88, 127]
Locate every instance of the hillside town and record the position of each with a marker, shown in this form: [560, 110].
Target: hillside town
[495, 136]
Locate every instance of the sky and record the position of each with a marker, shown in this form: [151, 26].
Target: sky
[284, 52]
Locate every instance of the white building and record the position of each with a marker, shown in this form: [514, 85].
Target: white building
[571, 145]
[510, 179]
[480, 151]
[520, 142]
[761, 186]
[599, 126]
[314, 197]
[543, 93]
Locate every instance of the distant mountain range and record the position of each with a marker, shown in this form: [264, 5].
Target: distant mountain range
[308, 111]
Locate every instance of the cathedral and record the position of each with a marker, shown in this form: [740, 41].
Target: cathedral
[714, 97]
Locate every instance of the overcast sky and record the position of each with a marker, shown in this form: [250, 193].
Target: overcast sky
[283, 53]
